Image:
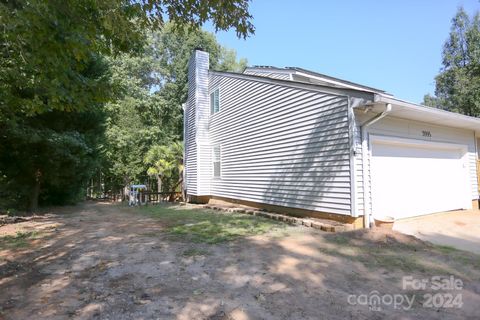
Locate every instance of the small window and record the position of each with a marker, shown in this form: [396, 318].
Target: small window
[214, 102]
[217, 162]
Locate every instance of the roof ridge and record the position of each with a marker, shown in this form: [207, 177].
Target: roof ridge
[285, 81]
[264, 67]
[318, 74]
[348, 82]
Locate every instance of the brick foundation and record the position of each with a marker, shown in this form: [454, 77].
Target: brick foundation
[357, 223]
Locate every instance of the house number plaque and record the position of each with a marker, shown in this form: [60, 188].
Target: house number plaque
[426, 133]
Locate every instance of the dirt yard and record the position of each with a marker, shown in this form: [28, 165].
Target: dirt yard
[104, 261]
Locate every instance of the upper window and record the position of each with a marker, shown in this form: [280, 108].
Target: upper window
[214, 102]
[216, 162]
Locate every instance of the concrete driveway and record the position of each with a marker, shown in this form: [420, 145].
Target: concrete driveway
[458, 229]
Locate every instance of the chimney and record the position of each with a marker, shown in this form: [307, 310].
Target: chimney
[196, 130]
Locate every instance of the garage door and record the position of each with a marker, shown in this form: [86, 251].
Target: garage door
[412, 178]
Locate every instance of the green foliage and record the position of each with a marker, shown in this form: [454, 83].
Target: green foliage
[134, 118]
[173, 48]
[69, 70]
[54, 151]
[148, 111]
[211, 227]
[55, 83]
[432, 101]
[166, 164]
[53, 145]
[458, 84]
[47, 45]
[223, 13]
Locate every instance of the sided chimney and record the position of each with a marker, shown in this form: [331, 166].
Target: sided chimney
[197, 148]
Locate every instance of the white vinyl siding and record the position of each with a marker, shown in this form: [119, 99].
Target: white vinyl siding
[402, 128]
[282, 145]
[190, 157]
[197, 147]
[269, 74]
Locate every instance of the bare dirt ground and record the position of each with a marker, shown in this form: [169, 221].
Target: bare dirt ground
[104, 261]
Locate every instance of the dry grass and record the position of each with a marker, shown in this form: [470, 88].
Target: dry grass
[206, 226]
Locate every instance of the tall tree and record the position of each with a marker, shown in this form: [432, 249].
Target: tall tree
[458, 84]
[45, 45]
[173, 48]
[133, 118]
[48, 157]
[53, 81]
[166, 164]
[148, 111]
[161, 163]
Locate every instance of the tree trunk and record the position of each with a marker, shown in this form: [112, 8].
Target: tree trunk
[33, 203]
[126, 189]
[159, 183]
[183, 190]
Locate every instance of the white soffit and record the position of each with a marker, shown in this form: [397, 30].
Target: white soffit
[411, 111]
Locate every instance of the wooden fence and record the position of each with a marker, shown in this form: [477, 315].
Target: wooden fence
[143, 197]
[159, 197]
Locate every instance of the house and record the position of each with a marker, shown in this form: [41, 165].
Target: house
[296, 141]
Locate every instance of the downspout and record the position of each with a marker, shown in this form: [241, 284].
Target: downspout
[366, 212]
[184, 157]
[477, 159]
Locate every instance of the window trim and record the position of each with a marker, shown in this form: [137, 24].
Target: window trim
[212, 101]
[219, 161]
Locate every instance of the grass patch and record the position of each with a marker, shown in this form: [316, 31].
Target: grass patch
[210, 226]
[446, 249]
[340, 239]
[463, 257]
[392, 260]
[391, 254]
[19, 240]
[194, 252]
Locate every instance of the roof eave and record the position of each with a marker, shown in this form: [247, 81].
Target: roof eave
[341, 82]
[413, 111]
[297, 84]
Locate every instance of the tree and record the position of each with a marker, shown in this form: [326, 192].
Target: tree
[177, 152]
[148, 109]
[161, 163]
[54, 151]
[136, 119]
[458, 84]
[173, 47]
[46, 45]
[53, 80]
[49, 157]
[433, 101]
[166, 164]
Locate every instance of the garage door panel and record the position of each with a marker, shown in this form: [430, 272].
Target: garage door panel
[410, 151]
[409, 180]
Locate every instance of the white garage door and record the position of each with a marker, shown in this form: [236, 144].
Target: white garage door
[412, 178]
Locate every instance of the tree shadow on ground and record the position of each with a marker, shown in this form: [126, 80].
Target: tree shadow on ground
[109, 262]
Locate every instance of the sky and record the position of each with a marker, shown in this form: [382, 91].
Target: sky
[391, 45]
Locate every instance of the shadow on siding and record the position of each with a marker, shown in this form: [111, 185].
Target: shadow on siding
[319, 179]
